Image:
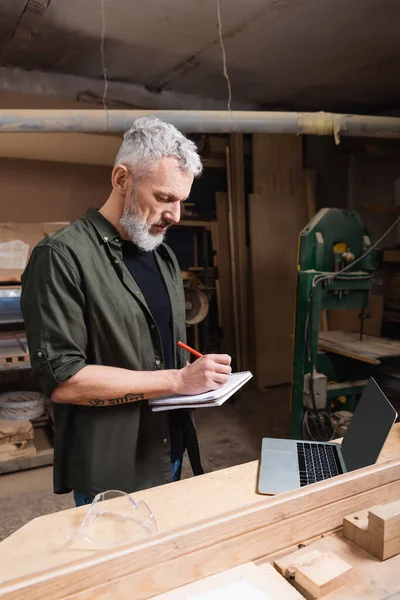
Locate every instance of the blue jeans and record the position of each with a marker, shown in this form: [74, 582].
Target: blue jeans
[82, 499]
[176, 468]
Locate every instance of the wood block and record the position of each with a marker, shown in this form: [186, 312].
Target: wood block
[384, 530]
[385, 520]
[316, 573]
[376, 530]
[355, 529]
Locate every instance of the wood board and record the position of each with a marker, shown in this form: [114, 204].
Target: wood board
[370, 349]
[207, 547]
[239, 221]
[278, 212]
[225, 288]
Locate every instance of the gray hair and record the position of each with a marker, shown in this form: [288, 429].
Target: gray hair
[150, 139]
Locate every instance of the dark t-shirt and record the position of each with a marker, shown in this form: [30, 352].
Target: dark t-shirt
[144, 270]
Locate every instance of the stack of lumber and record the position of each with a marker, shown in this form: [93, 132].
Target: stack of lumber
[16, 439]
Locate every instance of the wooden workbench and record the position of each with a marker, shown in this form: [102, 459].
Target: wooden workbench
[224, 503]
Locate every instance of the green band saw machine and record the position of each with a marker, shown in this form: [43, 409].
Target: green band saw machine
[333, 274]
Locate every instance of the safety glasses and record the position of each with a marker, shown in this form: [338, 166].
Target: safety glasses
[114, 519]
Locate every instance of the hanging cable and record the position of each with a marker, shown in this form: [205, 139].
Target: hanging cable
[103, 59]
[224, 66]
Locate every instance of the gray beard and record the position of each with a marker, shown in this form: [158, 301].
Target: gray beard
[137, 229]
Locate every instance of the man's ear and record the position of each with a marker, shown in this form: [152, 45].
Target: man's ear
[119, 179]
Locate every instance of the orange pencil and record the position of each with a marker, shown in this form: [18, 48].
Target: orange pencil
[189, 349]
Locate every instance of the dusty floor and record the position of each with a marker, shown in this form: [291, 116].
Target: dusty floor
[228, 436]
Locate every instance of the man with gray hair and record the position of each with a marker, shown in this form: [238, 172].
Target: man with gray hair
[103, 306]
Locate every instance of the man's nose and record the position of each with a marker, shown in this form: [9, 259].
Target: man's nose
[173, 213]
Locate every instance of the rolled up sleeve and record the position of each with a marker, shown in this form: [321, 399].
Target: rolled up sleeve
[53, 309]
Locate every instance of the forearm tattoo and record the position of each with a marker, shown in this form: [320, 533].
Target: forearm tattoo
[128, 398]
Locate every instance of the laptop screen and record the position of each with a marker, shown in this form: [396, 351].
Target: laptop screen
[369, 427]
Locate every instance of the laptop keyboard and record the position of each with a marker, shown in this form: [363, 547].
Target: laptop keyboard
[317, 462]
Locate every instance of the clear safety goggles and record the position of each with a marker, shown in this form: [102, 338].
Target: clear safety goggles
[114, 519]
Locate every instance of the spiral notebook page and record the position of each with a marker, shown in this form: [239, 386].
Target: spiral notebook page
[211, 398]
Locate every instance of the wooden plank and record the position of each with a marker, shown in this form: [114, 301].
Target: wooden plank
[225, 274]
[370, 349]
[239, 217]
[277, 212]
[172, 559]
[234, 268]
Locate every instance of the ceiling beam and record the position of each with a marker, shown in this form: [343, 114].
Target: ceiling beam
[119, 94]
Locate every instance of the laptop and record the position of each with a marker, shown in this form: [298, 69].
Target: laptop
[289, 464]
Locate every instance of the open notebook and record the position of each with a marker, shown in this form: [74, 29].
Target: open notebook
[208, 399]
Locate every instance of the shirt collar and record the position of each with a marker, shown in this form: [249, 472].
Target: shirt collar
[104, 228]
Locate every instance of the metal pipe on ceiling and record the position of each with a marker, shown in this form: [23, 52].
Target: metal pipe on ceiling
[210, 121]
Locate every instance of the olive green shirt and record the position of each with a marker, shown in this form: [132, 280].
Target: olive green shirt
[81, 306]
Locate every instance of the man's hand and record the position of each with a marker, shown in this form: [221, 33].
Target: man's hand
[207, 373]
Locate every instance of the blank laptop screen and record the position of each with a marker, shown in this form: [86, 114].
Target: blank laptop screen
[368, 429]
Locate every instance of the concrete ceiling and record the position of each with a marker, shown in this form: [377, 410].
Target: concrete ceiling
[334, 55]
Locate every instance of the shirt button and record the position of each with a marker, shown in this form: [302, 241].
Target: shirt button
[152, 326]
[164, 440]
[105, 239]
[117, 240]
[158, 362]
[116, 260]
[39, 354]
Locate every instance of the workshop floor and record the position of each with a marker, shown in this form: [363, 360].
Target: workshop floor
[228, 436]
